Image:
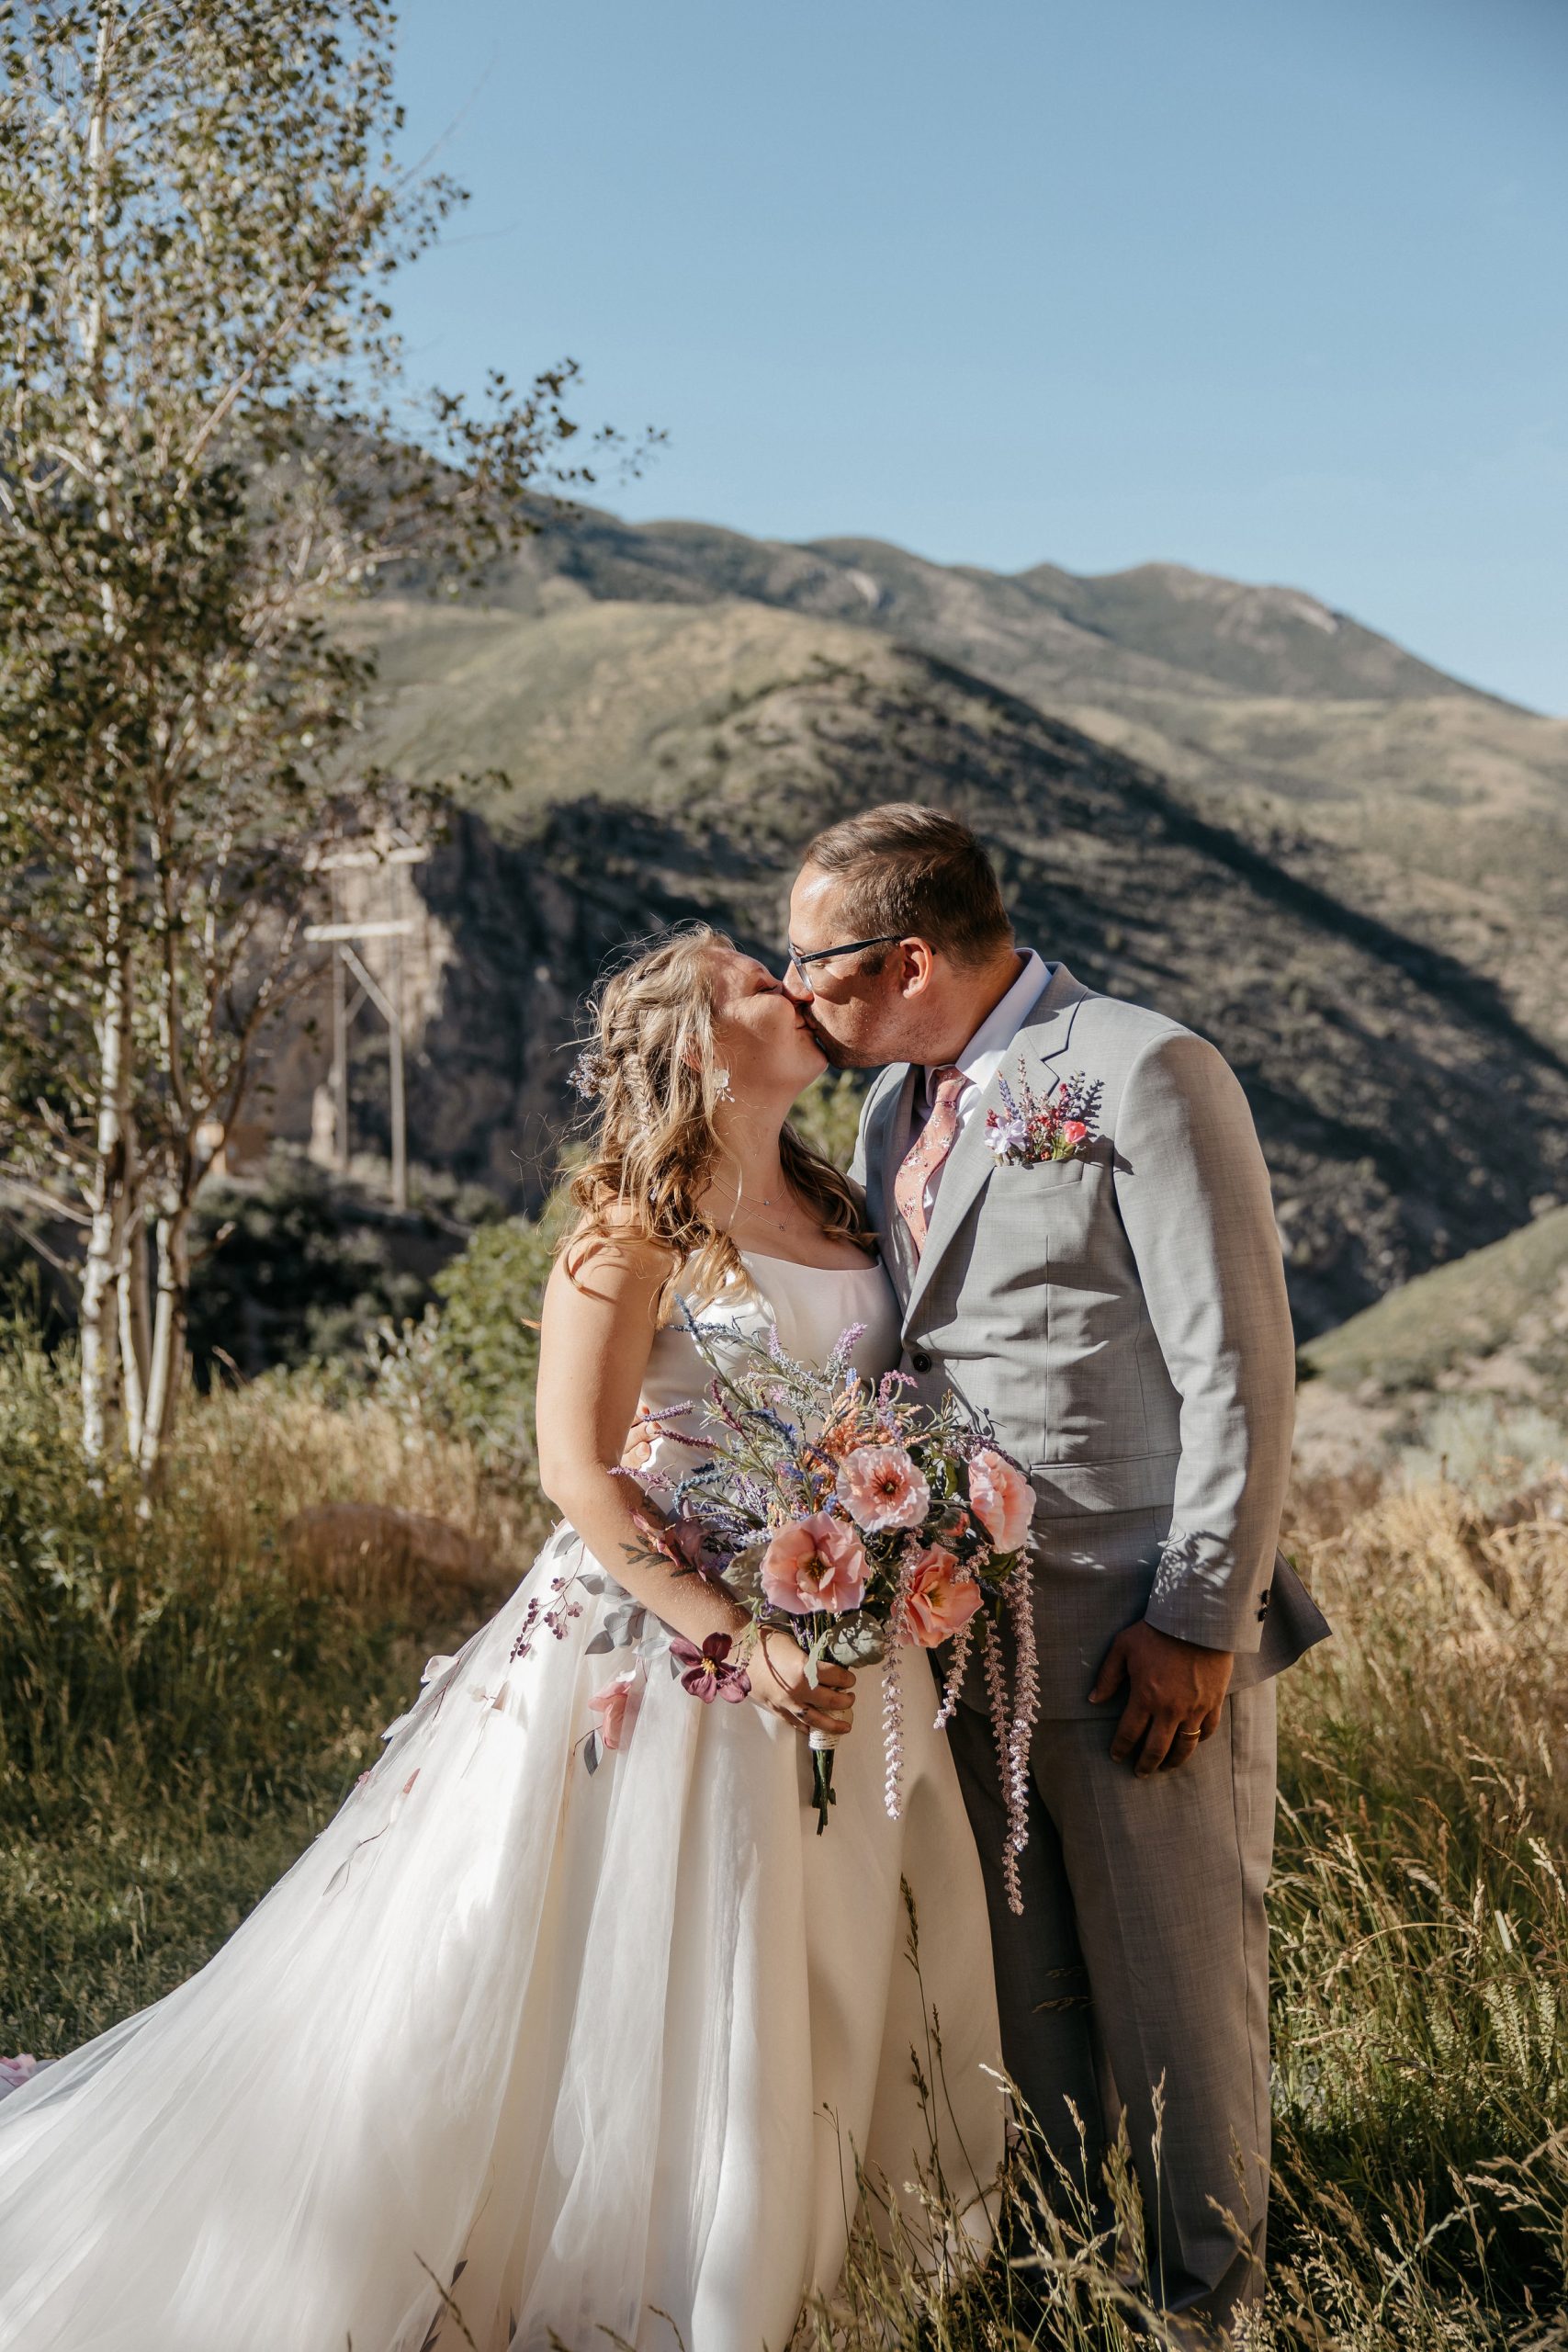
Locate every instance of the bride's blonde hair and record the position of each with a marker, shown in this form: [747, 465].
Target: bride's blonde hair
[653, 1071]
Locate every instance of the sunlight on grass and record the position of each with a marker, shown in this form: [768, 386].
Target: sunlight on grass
[184, 1699]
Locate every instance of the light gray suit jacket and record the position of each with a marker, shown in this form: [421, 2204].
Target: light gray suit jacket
[1121, 1319]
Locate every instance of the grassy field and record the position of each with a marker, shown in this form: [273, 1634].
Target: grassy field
[184, 1699]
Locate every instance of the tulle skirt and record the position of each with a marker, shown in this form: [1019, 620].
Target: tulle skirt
[526, 2048]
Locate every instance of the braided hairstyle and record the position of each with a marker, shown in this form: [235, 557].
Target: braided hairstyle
[652, 1071]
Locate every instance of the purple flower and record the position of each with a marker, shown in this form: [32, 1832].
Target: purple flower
[706, 1673]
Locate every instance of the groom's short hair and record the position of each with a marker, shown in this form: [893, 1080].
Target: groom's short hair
[912, 871]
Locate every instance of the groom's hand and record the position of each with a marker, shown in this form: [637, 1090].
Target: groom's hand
[1175, 1692]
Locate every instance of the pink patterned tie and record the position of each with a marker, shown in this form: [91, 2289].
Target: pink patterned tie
[927, 1153]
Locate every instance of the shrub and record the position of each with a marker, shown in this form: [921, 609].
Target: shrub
[182, 1648]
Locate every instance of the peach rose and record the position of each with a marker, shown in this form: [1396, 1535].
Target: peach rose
[815, 1563]
[880, 1488]
[616, 1706]
[939, 1599]
[1001, 1498]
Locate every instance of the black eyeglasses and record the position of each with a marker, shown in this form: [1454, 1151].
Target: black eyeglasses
[850, 947]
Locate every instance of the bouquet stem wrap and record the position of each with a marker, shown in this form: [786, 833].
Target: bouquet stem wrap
[822, 1744]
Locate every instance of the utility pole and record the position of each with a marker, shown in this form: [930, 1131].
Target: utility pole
[392, 856]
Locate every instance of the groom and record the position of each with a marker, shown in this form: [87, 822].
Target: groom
[1121, 1317]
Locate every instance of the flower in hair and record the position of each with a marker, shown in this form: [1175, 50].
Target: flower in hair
[588, 1073]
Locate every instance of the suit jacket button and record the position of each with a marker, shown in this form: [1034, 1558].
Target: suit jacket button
[920, 1361]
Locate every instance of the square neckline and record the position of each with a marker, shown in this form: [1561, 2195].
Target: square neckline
[803, 1266]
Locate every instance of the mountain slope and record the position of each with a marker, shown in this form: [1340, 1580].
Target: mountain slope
[1262, 707]
[662, 761]
[1497, 1318]
[1158, 624]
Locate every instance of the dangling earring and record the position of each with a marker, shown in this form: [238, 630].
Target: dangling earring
[721, 1082]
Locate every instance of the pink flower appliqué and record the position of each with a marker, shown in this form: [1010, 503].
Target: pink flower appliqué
[615, 1707]
[939, 1602]
[880, 1488]
[706, 1673]
[813, 1564]
[1001, 1498]
[15, 2072]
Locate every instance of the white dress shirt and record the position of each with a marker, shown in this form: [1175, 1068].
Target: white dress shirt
[980, 1060]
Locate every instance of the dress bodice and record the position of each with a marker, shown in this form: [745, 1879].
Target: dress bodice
[809, 1306]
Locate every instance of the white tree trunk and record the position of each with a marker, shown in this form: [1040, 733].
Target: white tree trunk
[167, 1360]
[109, 1203]
[135, 1335]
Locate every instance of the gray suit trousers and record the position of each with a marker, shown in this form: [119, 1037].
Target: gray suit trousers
[1142, 1957]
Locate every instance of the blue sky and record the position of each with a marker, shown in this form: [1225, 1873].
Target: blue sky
[1277, 291]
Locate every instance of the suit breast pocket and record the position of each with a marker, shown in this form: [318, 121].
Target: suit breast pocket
[1012, 1181]
[1041, 1226]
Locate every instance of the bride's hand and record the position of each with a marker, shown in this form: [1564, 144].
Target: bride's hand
[777, 1668]
[637, 1451]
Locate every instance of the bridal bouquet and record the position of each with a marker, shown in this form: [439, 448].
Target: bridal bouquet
[864, 1524]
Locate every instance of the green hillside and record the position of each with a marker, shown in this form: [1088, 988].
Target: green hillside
[607, 698]
[1500, 1312]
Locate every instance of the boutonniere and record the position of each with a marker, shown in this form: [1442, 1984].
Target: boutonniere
[1031, 1128]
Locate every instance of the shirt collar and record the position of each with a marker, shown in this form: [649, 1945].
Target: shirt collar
[983, 1056]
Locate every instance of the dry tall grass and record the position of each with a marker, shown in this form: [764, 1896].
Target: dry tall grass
[1421, 1938]
[279, 1450]
[182, 1700]
[187, 1694]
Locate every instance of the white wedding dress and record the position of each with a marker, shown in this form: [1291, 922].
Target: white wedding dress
[530, 2052]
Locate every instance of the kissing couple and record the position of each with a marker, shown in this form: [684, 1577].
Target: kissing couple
[518, 2054]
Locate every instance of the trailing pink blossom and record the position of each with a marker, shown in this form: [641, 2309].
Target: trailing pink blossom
[893, 1700]
[1001, 1732]
[957, 1667]
[1025, 1703]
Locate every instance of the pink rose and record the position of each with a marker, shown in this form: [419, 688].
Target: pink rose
[812, 1564]
[1072, 1130]
[940, 1599]
[880, 1488]
[615, 1707]
[1001, 1498]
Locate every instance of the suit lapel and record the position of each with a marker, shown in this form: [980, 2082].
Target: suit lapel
[1042, 1038]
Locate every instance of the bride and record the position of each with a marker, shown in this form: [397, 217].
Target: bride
[521, 2052]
